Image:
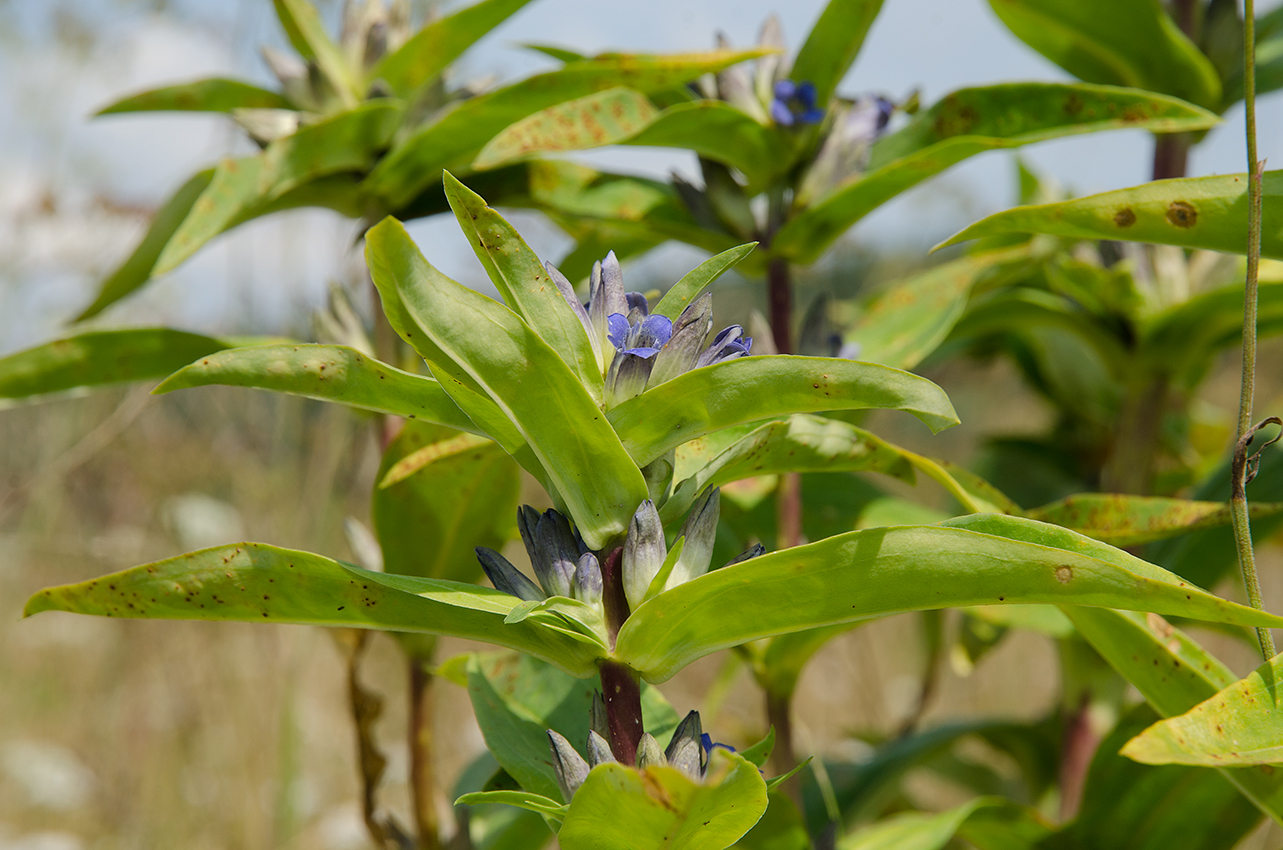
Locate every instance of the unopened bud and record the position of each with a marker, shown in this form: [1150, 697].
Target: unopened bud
[599, 751]
[570, 768]
[649, 754]
[644, 552]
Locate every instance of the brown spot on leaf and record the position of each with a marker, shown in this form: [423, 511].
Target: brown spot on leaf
[1182, 214]
[1064, 573]
[1125, 217]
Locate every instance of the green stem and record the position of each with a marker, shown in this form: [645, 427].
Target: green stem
[1247, 392]
[423, 785]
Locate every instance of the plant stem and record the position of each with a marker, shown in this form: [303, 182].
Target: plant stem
[622, 693]
[612, 593]
[779, 713]
[1247, 392]
[788, 498]
[423, 785]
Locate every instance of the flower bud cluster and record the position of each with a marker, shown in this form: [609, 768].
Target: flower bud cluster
[637, 349]
[562, 563]
[564, 566]
[687, 751]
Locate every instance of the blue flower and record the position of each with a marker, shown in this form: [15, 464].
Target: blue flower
[794, 103]
[643, 338]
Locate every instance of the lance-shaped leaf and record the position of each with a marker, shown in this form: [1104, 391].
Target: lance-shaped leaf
[619, 808]
[1124, 44]
[479, 343]
[431, 50]
[487, 417]
[1194, 212]
[711, 128]
[523, 282]
[302, 24]
[328, 373]
[1130, 520]
[137, 268]
[980, 821]
[347, 141]
[909, 319]
[458, 135]
[99, 358]
[431, 523]
[968, 122]
[1240, 725]
[212, 95]
[516, 701]
[1129, 806]
[800, 443]
[754, 388]
[256, 583]
[695, 281]
[1171, 671]
[1180, 340]
[1174, 674]
[888, 570]
[602, 118]
[833, 43]
[521, 799]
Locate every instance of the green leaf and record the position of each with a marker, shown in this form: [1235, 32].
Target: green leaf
[326, 372]
[347, 141]
[907, 321]
[454, 139]
[256, 583]
[524, 284]
[521, 799]
[972, 121]
[695, 281]
[429, 525]
[427, 454]
[619, 808]
[718, 131]
[800, 443]
[1130, 520]
[975, 560]
[1181, 340]
[920, 831]
[1194, 212]
[781, 828]
[1240, 725]
[832, 45]
[753, 388]
[1124, 44]
[602, 118]
[98, 358]
[431, 50]
[516, 701]
[1173, 674]
[137, 269]
[760, 752]
[1128, 806]
[302, 24]
[212, 95]
[480, 344]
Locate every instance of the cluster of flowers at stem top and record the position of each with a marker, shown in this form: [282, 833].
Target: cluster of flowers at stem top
[637, 349]
[564, 566]
[688, 751]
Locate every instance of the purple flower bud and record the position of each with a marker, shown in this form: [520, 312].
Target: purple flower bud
[727, 345]
[599, 751]
[683, 348]
[644, 552]
[504, 576]
[588, 579]
[751, 552]
[700, 531]
[556, 554]
[684, 751]
[568, 766]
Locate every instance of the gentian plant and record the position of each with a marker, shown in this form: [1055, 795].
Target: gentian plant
[622, 459]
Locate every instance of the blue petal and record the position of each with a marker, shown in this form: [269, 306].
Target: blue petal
[812, 116]
[806, 94]
[781, 114]
[637, 301]
[657, 329]
[617, 329]
[643, 351]
[784, 89]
